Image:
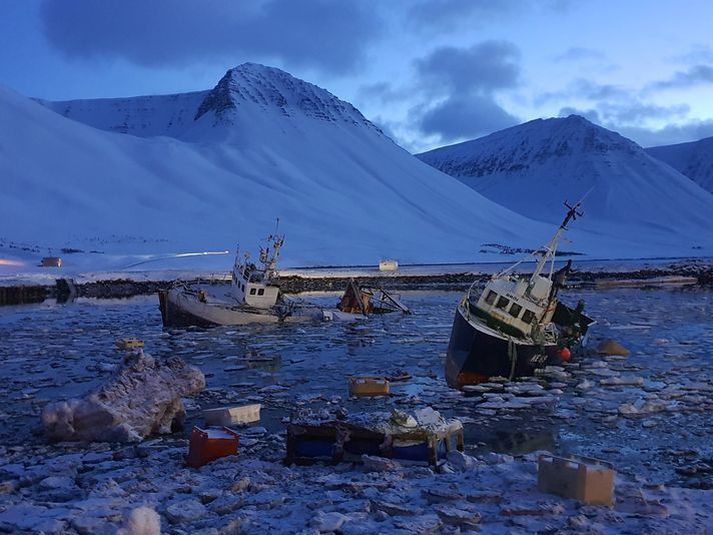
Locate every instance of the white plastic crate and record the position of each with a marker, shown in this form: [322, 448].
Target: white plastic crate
[226, 416]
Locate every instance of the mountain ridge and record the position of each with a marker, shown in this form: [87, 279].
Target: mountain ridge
[178, 115]
[531, 168]
[694, 159]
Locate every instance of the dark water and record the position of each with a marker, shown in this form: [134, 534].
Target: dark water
[51, 351]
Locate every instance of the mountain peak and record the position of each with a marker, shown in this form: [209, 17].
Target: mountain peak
[253, 84]
[564, 136]
[529, 144]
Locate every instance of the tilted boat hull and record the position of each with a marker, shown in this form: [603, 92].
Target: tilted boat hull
[477, 352]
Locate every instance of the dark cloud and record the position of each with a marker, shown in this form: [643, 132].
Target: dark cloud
[578, 53]
[630, 112]
[668, 135]
[464, 83]
[695, 75]
[482, 68]
[594, 91]
[465, 117]
[584, 89]
[590, 114]
[382, 92]
[445, 15]
[647, 137]
[696, 55]
[636, 112]
[326, 34]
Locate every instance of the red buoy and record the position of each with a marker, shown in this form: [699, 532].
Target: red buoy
[565, 354]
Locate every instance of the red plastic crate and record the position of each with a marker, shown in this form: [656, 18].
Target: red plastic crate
[207, 445]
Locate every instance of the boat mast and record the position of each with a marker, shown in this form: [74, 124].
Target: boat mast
[551, 247]
[270, 262]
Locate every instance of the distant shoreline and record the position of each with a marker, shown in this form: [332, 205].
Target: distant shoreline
[677, 274]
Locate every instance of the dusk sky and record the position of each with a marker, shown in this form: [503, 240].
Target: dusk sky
[429, 72]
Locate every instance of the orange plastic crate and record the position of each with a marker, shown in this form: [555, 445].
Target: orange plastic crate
[207, 445]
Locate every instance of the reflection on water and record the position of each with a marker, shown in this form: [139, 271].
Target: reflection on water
[50, 351]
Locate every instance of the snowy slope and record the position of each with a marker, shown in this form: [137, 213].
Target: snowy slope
[532, 168]
[261, 145]
[694, 159]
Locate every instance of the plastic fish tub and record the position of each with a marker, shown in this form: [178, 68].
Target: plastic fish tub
[223, 416]
[588, 480]
[207, 445]
[129, 343]
[368, 386]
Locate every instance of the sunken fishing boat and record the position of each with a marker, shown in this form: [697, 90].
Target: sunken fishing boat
[253, 296]
[516, 325]
[360, 302]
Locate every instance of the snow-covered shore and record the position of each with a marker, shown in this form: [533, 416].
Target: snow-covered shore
[74, 489]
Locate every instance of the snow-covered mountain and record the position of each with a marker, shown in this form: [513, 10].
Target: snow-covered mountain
[532, 168]
[694, 159]
[217, 167]
[249, 91]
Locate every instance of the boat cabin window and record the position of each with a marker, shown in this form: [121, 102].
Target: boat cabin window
[515, 310]
[490, 298]
[528, 316]
[261, 291]
[503, 302]
[252, 291]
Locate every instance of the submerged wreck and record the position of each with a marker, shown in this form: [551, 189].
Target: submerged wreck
[362, 302]
[516, 325]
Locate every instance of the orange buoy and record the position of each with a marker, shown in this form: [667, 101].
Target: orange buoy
[565, 354]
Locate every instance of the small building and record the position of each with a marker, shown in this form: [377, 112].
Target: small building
[388, 265]
[51, 261]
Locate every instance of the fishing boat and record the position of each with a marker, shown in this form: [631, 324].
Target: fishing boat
[253, 296]
[516, 325]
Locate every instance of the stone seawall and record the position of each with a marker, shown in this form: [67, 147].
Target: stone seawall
[122, 288]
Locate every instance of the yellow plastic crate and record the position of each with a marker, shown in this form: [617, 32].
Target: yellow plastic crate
[129, 343]
[368, 386]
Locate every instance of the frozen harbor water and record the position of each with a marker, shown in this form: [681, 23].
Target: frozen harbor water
[649, 414]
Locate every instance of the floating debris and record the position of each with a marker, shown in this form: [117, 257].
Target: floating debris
[425, 437]
[207, 445]
[612, 348]
[364, 386]
[588, 480]
[129, 343]
[226, 416]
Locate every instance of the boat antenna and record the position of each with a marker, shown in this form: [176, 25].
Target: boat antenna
[572, 214]
[550, 249]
